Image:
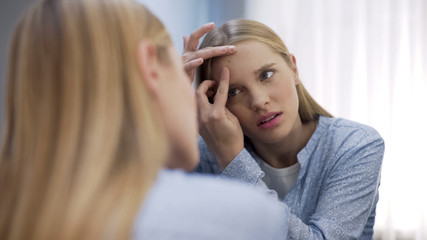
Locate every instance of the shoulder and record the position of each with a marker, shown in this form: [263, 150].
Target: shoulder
[343, 132]
[349, 140]
[343, 127]
[199, 206]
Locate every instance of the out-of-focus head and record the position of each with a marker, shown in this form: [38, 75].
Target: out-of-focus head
[74, 79]
[240, 30]
[89, 120]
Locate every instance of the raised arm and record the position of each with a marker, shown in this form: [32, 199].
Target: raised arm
[218, 126]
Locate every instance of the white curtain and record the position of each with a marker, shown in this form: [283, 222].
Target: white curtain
[366, 61]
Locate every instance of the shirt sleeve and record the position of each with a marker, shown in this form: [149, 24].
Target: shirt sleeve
[208, 163]
[349, 194]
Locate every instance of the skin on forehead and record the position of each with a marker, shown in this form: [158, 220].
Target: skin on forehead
[245, 61]
[218, 64]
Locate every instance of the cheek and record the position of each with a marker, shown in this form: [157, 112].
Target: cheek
[185, 89]
[284, 91]
[238, 110]
[190, 103]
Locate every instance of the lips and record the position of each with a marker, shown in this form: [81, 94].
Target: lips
[268, 118]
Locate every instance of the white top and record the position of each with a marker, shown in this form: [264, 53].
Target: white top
[280, 179]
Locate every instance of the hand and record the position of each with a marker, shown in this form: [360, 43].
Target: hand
[218, 126]
[193, 58]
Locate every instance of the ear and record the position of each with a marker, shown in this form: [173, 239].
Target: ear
[294, 68]
[148, 63]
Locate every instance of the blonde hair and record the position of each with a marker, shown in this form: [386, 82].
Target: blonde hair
[239, 30]
[83, 142]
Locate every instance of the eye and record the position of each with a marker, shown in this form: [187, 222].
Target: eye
[265, 75]
[233, 92]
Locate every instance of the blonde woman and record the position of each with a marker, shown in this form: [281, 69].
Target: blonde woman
[98, 104]
[260, 125]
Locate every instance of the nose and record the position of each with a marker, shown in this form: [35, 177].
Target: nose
[259, 100]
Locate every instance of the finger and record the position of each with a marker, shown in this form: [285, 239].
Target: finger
[202, 91]
[191, 65]
[222, 92]
[193, 41]
[211, 52]
[185, 38]
[205, 86]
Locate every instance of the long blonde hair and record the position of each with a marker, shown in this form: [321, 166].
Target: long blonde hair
[82, 142]
[238, 30]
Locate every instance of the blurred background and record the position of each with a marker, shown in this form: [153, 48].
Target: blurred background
[362, 60]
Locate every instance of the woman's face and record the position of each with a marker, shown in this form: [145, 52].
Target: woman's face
[262, 93]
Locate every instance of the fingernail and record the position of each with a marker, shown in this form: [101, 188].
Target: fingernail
[231, 48]
[210, 23]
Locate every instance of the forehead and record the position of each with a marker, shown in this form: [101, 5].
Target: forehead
[249, 57]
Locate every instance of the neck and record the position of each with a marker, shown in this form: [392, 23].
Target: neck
[284, 153]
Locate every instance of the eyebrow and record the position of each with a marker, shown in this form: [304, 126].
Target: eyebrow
[256, 72]
[263, 68]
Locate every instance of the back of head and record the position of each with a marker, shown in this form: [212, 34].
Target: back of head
[239, 30]
[82, 142]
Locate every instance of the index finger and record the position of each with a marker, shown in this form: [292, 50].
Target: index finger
[202, 91]
[222, 91]
[193, 40]
[210, 52]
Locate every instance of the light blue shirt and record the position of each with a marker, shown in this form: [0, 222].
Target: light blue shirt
[336, 193]
[183, 206]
